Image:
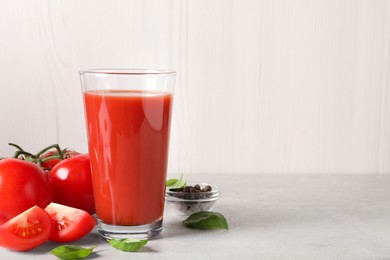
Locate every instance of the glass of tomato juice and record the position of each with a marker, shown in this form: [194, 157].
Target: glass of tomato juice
[128, 114]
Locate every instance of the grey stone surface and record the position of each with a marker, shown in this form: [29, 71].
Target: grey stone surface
[272, 217]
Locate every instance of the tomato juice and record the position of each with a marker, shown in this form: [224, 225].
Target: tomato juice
[128, 135]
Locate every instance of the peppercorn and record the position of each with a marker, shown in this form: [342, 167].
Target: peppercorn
[207, 188]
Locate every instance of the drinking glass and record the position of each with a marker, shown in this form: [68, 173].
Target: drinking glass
[128, 115]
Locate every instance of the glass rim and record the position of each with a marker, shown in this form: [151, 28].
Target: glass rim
[129, 72]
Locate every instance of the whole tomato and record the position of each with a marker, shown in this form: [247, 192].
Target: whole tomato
[72, 183]
[47, 163]
[22, 185]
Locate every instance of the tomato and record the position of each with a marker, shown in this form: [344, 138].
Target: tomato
[49, 164]
[69, 224]
[3, 220]
[27, 230]
[72, 183]
[22, 186]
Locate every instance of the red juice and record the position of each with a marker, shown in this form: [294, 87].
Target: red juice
[128, 133]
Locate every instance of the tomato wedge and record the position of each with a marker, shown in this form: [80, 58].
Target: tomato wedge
[27, 230]
[69, 224]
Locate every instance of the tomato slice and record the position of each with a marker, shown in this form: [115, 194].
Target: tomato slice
[69, 224]
[27, 230]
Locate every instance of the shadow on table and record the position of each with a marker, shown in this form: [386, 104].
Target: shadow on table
[90, 240]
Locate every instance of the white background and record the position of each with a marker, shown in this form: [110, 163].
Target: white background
[262, 87]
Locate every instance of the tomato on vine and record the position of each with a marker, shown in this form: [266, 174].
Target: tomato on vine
[47, 158]
[69, 174]
[22, 185]
[51, 158]
[72, 183]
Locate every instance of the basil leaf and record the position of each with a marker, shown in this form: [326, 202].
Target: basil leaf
[68, 252]
[128, 245]
[171, 182]
[206, 220]
[176, 183]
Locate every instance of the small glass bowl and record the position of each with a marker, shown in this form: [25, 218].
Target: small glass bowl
[185, 203]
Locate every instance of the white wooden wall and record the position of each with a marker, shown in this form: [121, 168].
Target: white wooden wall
[263, 86]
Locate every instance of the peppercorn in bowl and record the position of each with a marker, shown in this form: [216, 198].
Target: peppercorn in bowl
[193, 197]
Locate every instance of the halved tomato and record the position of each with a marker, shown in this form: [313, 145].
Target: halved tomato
[69, 224]
[27, 230]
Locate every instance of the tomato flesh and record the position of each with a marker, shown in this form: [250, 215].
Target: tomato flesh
[27, 230]
[69, 224]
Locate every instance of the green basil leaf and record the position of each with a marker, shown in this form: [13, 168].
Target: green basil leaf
[206, 220]
[69, 252]
[171, 182]
[128, 245]
[176, 183]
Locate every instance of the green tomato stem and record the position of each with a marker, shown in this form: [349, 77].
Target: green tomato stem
[16, 146]
[20, 151]
[36, 158]
[56, 146]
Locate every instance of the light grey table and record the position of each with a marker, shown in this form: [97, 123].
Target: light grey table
[272, 217]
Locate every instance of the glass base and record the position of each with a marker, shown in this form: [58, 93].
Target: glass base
[137, 232]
